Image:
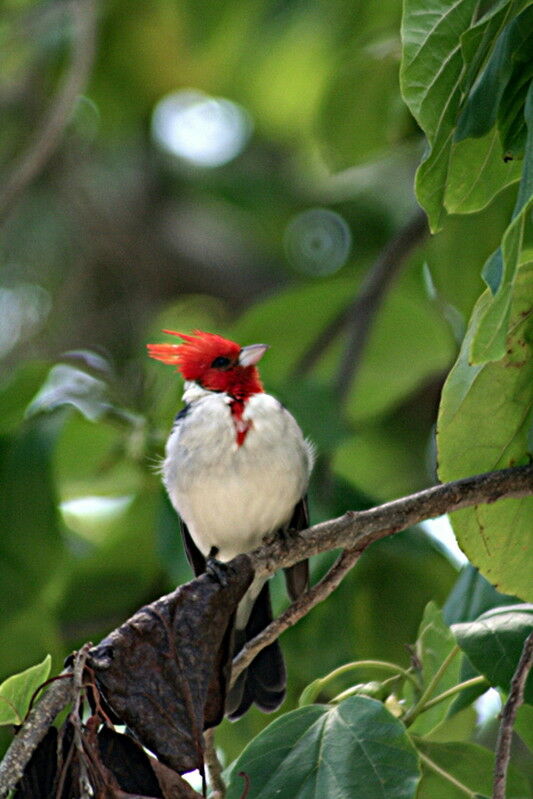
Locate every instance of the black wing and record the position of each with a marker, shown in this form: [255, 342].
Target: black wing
[194, 556]
[297, 576]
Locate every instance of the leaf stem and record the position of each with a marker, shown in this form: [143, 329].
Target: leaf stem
[456, 689]
[419, 706]
[370, 664]
[446, 775]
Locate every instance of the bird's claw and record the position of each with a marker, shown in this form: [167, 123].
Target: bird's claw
[216, 569]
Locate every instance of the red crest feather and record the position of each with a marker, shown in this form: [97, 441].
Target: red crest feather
[194, 359]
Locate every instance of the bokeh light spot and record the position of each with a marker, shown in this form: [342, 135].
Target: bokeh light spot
[202, 130]
[318, 242]
[23, 309]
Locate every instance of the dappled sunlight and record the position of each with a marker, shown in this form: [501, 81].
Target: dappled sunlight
[92, 517]
[203, 131]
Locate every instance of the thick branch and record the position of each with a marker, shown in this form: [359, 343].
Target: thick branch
[358, 529]
[50, 129]
[505, 734]
[33, 731]
[354, 532]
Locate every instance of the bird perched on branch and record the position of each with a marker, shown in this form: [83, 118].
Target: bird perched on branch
[236, 470]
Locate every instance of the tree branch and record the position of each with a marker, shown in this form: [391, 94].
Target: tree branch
[505, 733]
[50, 129]
[359, 529]
[58, 696]
[214, 767]
[354, 532]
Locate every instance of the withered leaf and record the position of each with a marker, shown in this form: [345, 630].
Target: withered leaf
[129, 763]
[164, 672]
[136, 772]
[39, 775]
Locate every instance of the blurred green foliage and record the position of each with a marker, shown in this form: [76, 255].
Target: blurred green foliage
[119, 238]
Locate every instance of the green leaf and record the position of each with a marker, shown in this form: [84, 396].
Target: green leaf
[477, 173]
[16, 391]
[489, 339]
[30, 545]
[443, 49]
[407, 323]
[434, 645]
[493, 643]
[356, 748]
[511, 123]
[106, 469]
[523, 725]
[483, 425]
[481, 108]
[479, 40]
[471, 596]
[430, 80]
[16, 692]
[372, 71]
[456, 770]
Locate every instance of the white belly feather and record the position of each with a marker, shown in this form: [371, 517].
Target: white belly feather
[232, 496]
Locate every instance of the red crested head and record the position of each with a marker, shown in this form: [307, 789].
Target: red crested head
[213, 362]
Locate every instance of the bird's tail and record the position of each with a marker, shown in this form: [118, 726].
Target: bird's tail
[264, 681]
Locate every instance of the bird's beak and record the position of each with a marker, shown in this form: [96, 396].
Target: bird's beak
[250, 355]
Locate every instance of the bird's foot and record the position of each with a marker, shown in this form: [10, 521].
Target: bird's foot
[216, 569]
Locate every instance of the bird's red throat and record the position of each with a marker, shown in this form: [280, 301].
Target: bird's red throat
[242, 426]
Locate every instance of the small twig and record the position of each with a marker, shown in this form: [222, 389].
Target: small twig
[214, 766]
[50, 130]
[364, 310]
[360, 313]
[295, 612]
[505, 733]
[58, 696]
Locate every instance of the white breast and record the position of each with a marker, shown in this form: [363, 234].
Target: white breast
[231, 496]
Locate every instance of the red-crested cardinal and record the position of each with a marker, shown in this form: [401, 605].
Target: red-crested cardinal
[236, 470]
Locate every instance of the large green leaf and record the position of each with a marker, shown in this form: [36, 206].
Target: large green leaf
[456, 770]
[483, 424]
[17, 390]
[356, 748]
[371, 72]
[434, 645]
[504, 268]
[16, 692]
[481, 109]
[444, 47]
[471, 596]
[30, 545]
[523, 725]
[493, 643]
[477, 172]
[430, 79]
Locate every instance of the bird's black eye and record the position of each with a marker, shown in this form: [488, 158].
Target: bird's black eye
[221, 362]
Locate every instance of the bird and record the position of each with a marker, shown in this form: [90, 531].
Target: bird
[236, 470]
